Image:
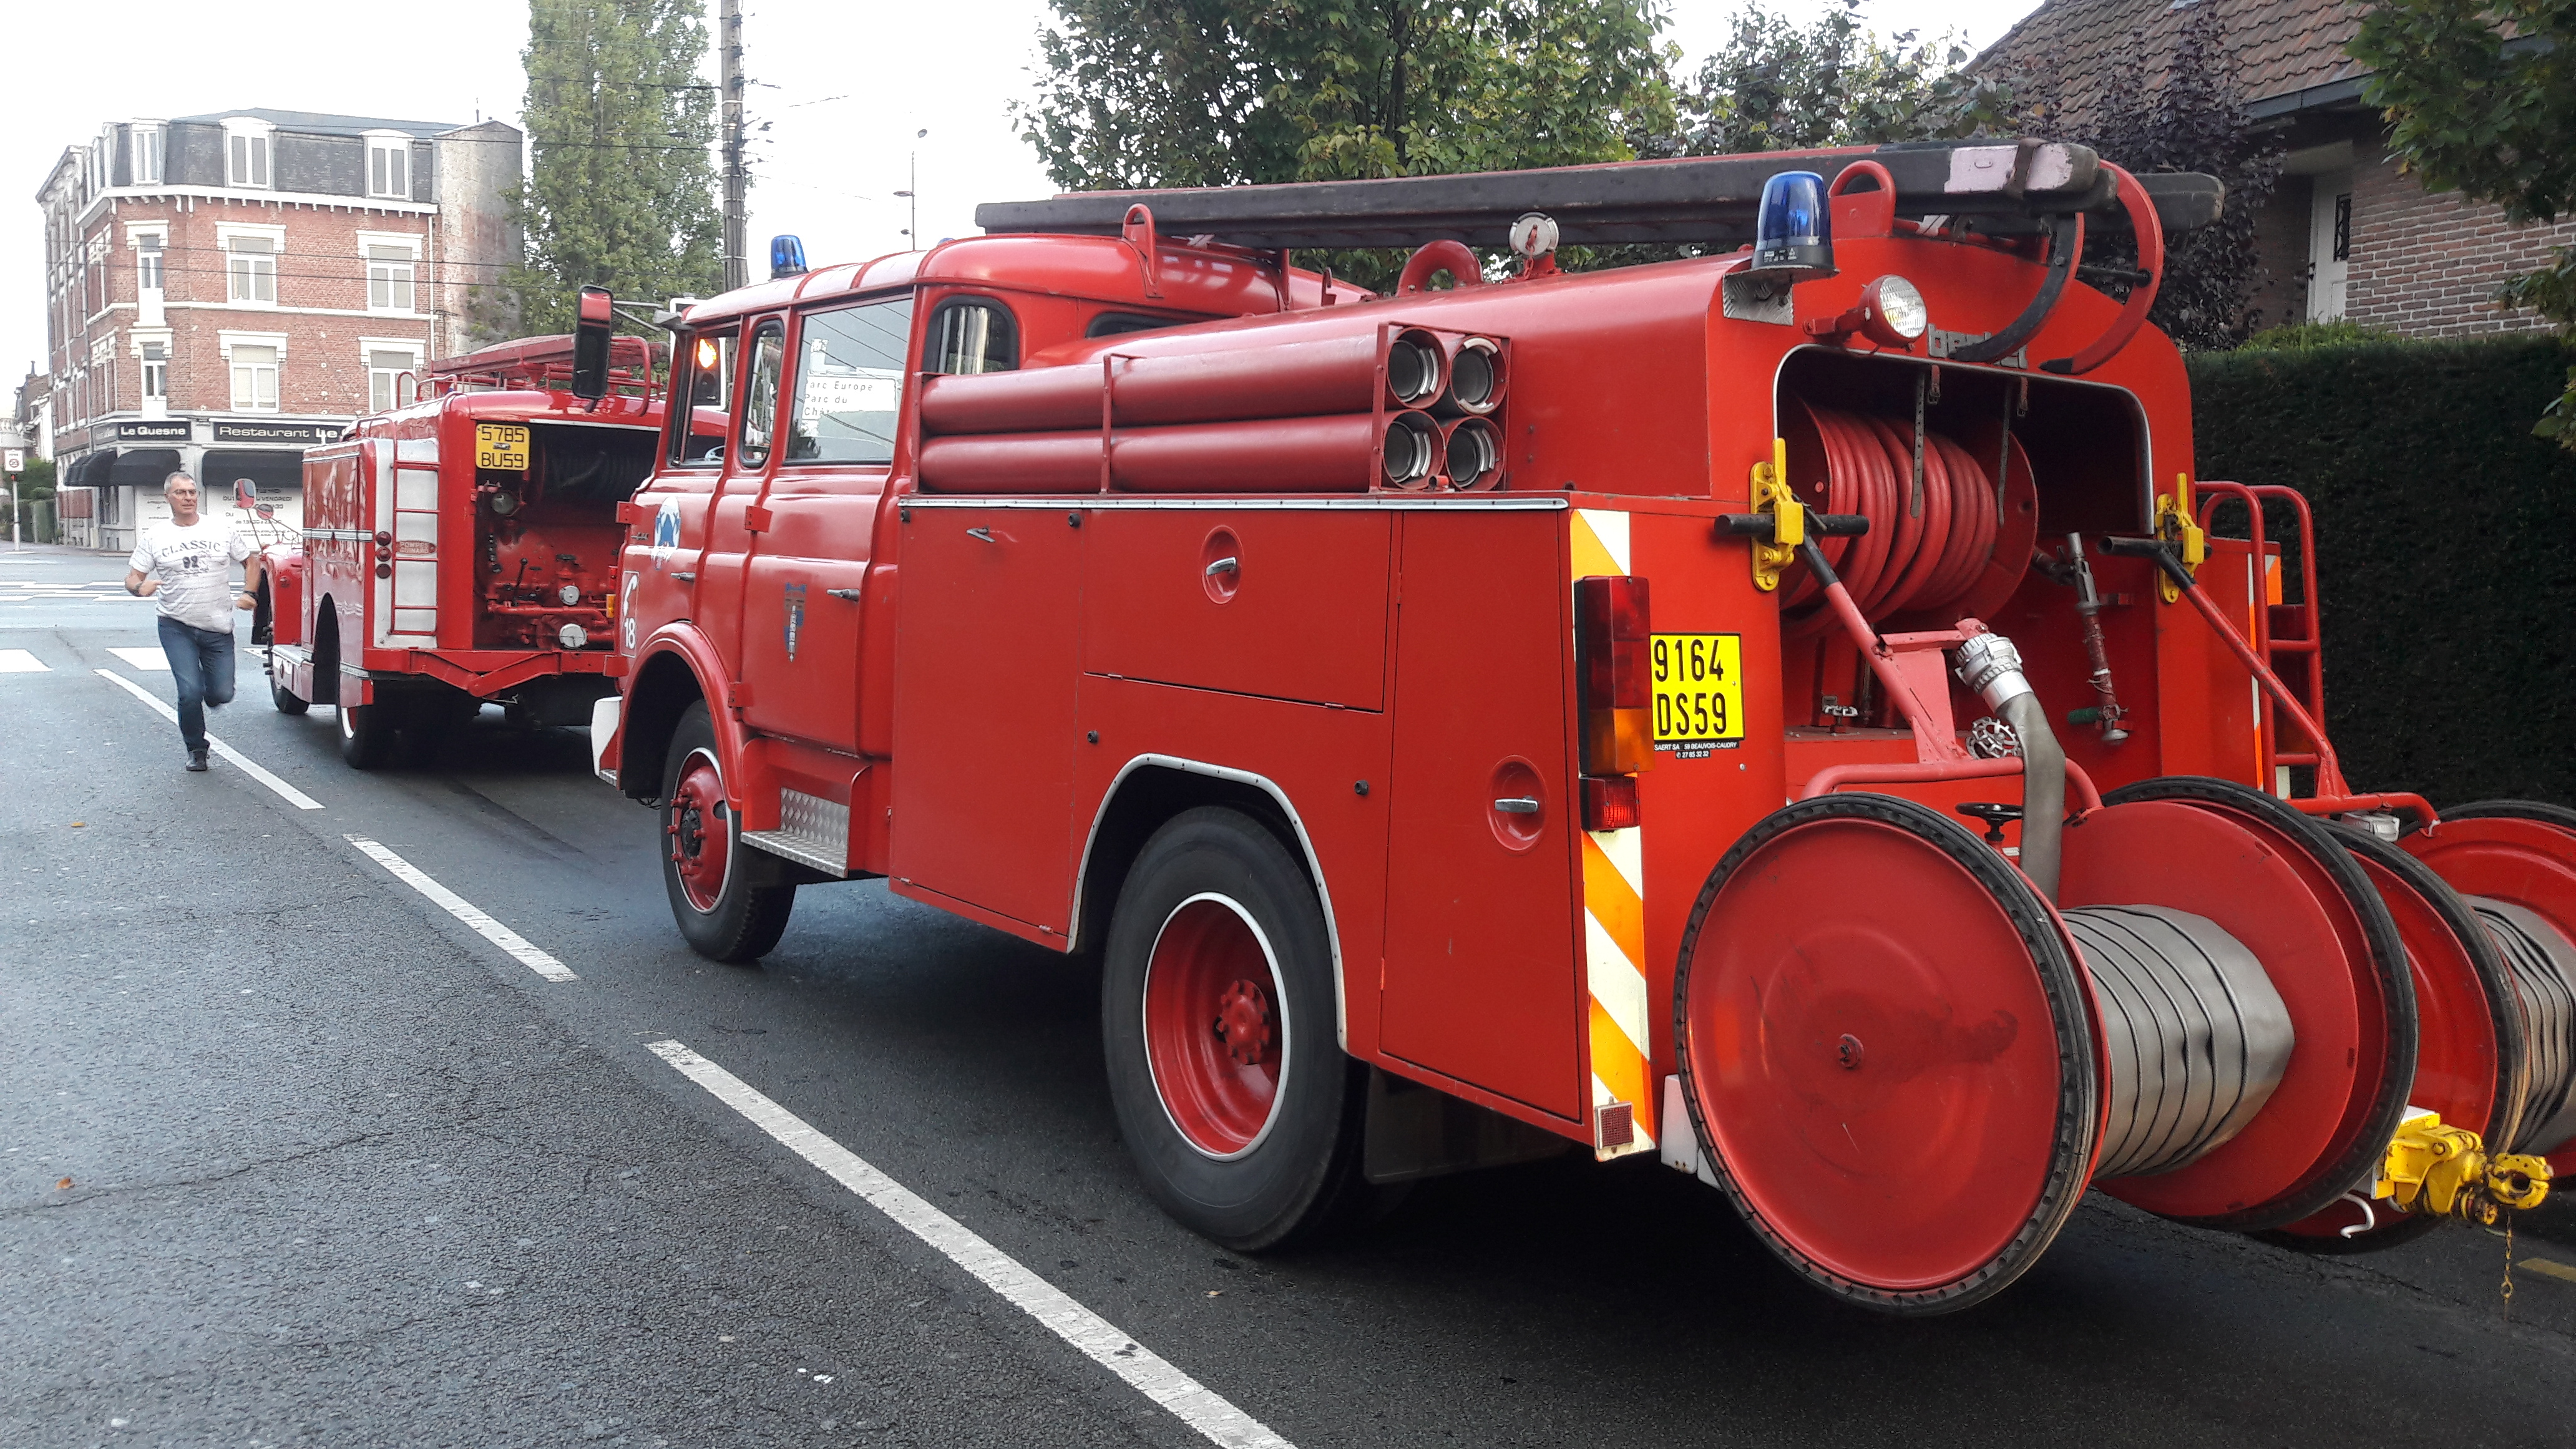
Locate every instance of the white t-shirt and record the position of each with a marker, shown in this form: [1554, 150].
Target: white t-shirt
[195, 567]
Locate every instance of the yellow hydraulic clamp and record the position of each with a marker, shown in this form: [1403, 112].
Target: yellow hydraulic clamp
[2176, 525]
[2447, 1171]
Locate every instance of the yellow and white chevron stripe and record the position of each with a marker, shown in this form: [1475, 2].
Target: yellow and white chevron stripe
[1614, 910]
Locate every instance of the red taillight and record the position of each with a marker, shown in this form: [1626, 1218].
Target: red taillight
[1613, 698]
[1611, 803]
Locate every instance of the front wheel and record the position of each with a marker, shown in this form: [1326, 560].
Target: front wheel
[1217, 1016]
[719, 895]
[367, 735]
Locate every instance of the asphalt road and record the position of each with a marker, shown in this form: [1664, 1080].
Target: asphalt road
[291, 1156]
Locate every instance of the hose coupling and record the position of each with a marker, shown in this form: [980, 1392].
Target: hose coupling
[2447, 1171]
[1990, 665]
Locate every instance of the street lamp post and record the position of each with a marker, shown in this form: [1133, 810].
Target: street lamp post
[913, 177]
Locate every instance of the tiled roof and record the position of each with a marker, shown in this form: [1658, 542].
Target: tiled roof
[2280, 46]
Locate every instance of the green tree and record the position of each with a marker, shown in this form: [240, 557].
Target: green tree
[2481, 99]
[1213, 92]
[1781, 86]
[622, 190]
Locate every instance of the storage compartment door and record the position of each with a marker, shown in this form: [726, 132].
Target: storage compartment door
[984, 725]
[1481, 979]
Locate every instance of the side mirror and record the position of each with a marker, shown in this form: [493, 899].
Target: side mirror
[593, 324]
[245, 495]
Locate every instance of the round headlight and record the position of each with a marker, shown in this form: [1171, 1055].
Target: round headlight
[569, 593]
[505, 503]
[572, 636]
[1894, 311]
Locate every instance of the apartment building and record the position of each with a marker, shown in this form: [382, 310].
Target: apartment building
[227, 290]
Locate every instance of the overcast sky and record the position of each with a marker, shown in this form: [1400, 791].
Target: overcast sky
[842, 89]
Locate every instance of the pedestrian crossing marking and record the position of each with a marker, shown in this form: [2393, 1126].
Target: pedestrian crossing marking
[21, 661]
[144, 658]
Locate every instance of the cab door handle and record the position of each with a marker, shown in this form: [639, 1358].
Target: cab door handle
[850, 594]
[1517, 805]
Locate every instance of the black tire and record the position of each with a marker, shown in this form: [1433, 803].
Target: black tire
[367, 735]
[1300, 1173]
[286, 700]
[748, 910]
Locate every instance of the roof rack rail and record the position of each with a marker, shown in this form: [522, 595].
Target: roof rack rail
[2001, 187]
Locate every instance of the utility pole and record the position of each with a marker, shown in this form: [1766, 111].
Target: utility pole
[912, 191]
[737, 267]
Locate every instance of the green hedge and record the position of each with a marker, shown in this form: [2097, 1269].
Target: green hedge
[2446, 538]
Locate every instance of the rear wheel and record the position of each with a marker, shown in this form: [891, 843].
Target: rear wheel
[1217, 1019]
[367, 734]
[721, 891]
[286, 700]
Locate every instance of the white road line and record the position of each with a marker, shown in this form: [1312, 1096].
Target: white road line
[21, 661]
[466, 911]
[231, 756]
[1099, 1339]
[144, 658]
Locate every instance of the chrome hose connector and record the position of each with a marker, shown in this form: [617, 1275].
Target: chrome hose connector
[1990, 665]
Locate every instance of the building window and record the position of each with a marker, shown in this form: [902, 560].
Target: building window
[389, 167]
[251, 264]
[254, 378]
[391, 380]
[156, 372]
[147, 261]
[146, 155]
[2343, 227]
[388, 279]
[249, 158]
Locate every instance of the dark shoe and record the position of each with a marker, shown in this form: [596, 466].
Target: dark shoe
[197, 762]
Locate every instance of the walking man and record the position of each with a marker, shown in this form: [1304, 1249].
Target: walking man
[187, 563]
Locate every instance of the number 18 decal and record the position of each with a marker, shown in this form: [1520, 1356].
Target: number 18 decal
[1699, 692]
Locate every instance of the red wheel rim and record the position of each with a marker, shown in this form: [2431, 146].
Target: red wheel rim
[701, 845]
[1882, 1079]
[1216, 1026]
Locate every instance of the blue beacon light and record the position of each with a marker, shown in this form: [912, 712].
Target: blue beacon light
[1793, 234]
[786, 257]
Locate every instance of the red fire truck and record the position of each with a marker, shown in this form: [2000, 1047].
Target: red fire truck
[1782, 711]
[462, 550]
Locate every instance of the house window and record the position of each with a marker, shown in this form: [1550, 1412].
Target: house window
[388, 279]
[252, 266]
[389, 166]
[249, 158]
[156, 372]
[390, 380]
[2343, 227]
[147, 262]
[254, 378]
[145, 155]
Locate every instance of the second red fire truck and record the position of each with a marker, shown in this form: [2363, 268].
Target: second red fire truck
[1781, 711]
[462, 550]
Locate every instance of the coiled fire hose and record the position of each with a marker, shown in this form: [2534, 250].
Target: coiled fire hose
[1929, 535]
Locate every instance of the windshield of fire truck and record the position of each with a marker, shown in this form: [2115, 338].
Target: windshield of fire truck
[849, 384]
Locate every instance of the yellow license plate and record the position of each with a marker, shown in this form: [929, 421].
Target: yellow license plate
[1699, 692]
[502, 447]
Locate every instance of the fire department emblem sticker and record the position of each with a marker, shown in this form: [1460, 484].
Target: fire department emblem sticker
[795, 616]
[666, 533]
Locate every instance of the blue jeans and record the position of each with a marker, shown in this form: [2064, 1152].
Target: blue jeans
[201, 661]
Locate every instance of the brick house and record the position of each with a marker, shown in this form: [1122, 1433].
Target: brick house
[224, 291]
[2345, 235]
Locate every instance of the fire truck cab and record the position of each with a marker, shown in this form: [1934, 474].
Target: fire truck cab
[1780, 712]
[462, 550]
